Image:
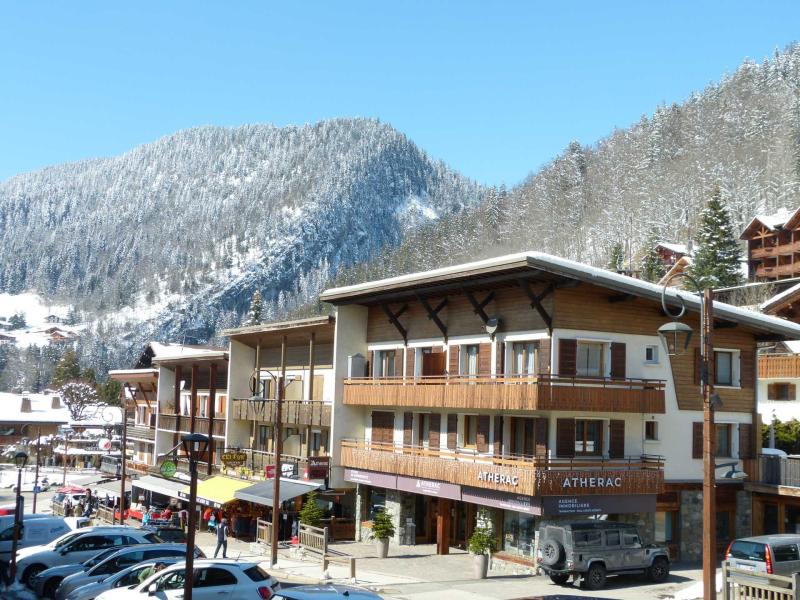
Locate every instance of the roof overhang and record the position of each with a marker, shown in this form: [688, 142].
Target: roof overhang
[297, 331]
[133, 375]
[192, 357]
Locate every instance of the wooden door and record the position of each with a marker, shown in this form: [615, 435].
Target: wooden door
[382, 427]
[433, 364]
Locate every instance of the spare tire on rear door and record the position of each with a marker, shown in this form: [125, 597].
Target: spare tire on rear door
[552, 553]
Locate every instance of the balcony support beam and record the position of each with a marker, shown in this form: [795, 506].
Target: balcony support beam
[394, 320]
[433, 314]
[311, 360]
[536, 301]
[479, 308]
[212, 401]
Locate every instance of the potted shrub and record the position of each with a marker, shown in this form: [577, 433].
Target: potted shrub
[382, 530]
[481, 545]
[311, 513]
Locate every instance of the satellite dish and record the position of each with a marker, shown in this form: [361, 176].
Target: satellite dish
[491, 325]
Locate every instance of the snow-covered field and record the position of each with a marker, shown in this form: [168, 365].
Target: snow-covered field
[35, 310]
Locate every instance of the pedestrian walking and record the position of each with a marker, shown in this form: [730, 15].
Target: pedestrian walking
[222, 538]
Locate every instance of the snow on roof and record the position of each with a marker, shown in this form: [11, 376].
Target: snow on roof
[573, 270]
[792, 345]
[166, 351]
[773, 221]
[677, 248]
[41, 409]
[778, 299]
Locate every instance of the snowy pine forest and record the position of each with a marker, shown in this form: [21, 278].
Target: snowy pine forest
[170, 240]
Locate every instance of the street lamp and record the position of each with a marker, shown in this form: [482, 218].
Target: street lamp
[20, 459]
[195, 445]
[676, 337]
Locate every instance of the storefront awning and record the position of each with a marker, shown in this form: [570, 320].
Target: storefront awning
[261, 493]
[216, 491]
[109, 488]
[172, 489]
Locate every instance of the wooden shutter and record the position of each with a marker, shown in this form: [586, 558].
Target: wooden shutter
[698, 366]
[410, 353]
[434, 429]
[371, 371]
[408, 427]
[540, 436]
[697, 440]
[453, 366]
[567, 357]
[565, 437]
[452, 431]
[382, 427]
[616, 443]
[484, 359]
[482, 437]
[544, 355]
[745, 440]
[500, 359]
[618, 360]
[746, 369]
[398, 362]
[497, 443]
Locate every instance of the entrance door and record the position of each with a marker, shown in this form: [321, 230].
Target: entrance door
[432, 363]
[463, 524]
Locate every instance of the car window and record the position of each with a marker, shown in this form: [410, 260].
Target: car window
[786, 553]
[748, 550]
[89, 542]
[127, 560]
[159, 552]
[256, 573]
[152, 538]
[213, 576]
[630, 539]
[170, 581]
[66, 540]
[8, 534]
[131, 578]
[586, 538]
[612, 538]
[96, 559]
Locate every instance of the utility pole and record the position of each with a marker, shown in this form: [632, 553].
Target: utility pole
[276, 490]
[66, 456]
[709, 452]
[36, 475]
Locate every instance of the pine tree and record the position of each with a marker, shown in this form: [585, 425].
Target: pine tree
[716, 262]
[616, 257]
[256, 309]
[311, 513]
[67, 369]
[652, 268]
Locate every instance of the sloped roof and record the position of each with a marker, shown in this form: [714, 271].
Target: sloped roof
[787, 295]
[677, 248]
[771, 222]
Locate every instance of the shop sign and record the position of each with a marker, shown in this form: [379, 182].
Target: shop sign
[383, 480]
[598, 505]
[426, 487]
[498, 478]
[591, 482]
[288, 471]
[497, 499]
[168, 468]
[233, 458]
[318, 467]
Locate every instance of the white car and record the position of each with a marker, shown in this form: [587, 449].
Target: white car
[76, 547]
[213, 579]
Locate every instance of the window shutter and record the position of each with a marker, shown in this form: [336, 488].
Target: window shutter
[500, 359]
[772, 391]
[497, 444]
[408, 425]
[544, 355]
[697, 440]
[452, 431]
[371, 366]
[567, 356]
[410, 353]
[482, 438]
[618, 360]
[540, 436]
[698, 366]
[434, 430]
[453, 367]
[746, 369]
[745, 440]
[382, 427]
[565, 437]
[398, 362]
[616, 444]
[485, 359]
[792, 391]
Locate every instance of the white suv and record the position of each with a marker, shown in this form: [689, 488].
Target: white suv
[76, 547]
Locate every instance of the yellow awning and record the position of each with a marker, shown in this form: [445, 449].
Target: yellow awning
[217, 491]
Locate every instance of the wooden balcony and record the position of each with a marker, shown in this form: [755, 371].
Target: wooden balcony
[778, 250]
[778, 366]
[775, 470]
[140, 432]
[535, 392]
[531, 476]
[773, 271]
[293, 412]
[182, 423]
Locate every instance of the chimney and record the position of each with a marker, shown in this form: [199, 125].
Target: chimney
[26, 405]
[56, 402]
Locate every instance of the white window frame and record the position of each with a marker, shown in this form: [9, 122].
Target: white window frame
[655, 359]
[736, 368]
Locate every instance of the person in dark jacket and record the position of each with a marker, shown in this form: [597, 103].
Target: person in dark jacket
[222, 538]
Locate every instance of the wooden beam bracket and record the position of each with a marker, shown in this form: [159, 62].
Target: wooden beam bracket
[479, 307]
[536, 301]
[433, 313]
[394, 320]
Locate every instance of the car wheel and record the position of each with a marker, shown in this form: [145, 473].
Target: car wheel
[30, 573]
[595, 577]
[552, 552]
[659, 571]
[559, 578]
[51, 586]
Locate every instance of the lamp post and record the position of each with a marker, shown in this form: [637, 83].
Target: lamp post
[66, 456]
[676, 337]
[20, 459]
[36, 476]
[195, 446]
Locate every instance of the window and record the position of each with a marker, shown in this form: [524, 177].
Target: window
[384, 366]
[786, 553]
[470, 431]
[170, 581]
[723, 439]
[589, 359]
[781, 391]
[264, 434]
[8, 534]
[256, 573]
[748, 550]
[470, 366]
[723, 371]
[651, 430]
[586, 538]
[202, 401]
[316, 441]
[612, 538]
[423, 429]
[666, 526]
[651, 354]
[631, 539]
[524, 358]
[377, 502]
[588, 437]
[213, 577]
[724, 525]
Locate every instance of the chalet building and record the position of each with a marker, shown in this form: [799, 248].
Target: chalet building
[23, 415]
[537, 388]
[773, 246]
[140, 387]
[671, 253]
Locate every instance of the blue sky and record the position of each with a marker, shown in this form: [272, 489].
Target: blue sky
[495, 89]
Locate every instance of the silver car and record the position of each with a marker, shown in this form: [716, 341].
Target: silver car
[46, 583]
[124, 579]
[777, 554]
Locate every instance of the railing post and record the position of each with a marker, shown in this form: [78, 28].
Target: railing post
[352, 561]
[725, 589]
[795, 586]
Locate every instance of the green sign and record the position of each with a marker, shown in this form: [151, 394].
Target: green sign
[168, 468]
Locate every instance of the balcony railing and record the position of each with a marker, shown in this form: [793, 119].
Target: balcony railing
[529, 475]
[140, 432]
[293, 412]
[183, 423]
[510, 392]
[778, 366]
[776, 470]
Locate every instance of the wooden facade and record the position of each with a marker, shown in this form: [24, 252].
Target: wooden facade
[773, 247]
[293, 412]
[776, 366]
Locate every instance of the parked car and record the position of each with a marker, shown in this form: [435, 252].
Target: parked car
[777, 554]
[213, 579]
[124, 579]
[325, 592]
[167, 533]
[595, 549]
[77, 546]
[36, 529]
[122, 559]
[46, 583]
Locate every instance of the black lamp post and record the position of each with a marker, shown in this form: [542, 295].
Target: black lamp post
[20, 459]
[195, 445]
